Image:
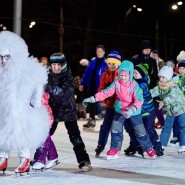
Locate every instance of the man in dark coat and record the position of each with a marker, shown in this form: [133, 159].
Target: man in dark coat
[143, 57]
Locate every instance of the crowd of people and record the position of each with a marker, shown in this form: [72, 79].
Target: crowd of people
[135, 92]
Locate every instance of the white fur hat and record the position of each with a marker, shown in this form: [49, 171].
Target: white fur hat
[181, 56]
[166, 72]
[84, 62]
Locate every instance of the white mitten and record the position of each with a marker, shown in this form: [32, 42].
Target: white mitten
[86, 101]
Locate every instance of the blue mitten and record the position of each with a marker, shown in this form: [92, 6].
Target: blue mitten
[129, 111]
[86, 101]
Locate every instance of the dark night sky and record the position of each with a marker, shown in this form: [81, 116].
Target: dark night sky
[91, 22]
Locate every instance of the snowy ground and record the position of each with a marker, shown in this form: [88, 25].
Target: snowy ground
[169, 169]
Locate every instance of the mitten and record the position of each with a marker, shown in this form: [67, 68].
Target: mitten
[86, 101]
[161, 104]
[129, 111]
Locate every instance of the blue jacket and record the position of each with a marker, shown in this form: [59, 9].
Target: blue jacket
[148, 105]
[86, 79]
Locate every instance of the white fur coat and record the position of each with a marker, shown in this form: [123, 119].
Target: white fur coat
[21, 82]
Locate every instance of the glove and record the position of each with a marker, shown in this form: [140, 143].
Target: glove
[48, 88]
[129, 112]
[86, 101]
[55, 90]
[161, 104]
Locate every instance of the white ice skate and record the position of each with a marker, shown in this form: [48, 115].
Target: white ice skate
[23, 167]
[38, 166]
[181, 149]
[52, 163]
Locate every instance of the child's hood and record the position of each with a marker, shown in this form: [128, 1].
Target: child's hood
[126, 65]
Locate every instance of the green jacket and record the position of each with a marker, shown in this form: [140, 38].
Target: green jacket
[172, 96]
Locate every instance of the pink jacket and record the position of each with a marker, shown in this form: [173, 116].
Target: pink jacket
[45, 99]
[127, 95]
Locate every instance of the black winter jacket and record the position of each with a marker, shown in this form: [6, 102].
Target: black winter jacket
[62, 99]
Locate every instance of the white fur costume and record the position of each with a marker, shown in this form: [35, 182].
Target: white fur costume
[21, 82]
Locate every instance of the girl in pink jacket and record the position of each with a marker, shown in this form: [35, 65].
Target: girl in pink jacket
[129, 99]
[47, 150]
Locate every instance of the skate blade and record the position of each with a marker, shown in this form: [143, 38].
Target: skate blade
[55, 164]
[112, 157]
[37, 170]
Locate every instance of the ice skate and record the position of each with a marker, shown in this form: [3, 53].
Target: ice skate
[51, 163]
[174, 140]
[181, 149]
[113, 154]
[98, 150]
[130, 150]
[3, 164]
[85, 166]
[24, 166]
[38, 166]
[90, 123]
[151, 153]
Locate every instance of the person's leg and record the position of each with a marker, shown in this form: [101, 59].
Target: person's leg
[160, 115]
[181, 120]
[176, 131]
[132, 148]
[52, 151]
[78, 144]
[105, 127]
[24, 165]
[140, 132]
[117, 131]
[53, 128]
[166, 130]
[41, 153]
[104, 130]
[149, 126]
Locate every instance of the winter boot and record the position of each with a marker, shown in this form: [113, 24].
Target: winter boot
[90, 123]
[51, 163]
[85, 166]
[81, 114]
[113, 154]
[24, 165]
[181, 149]
[98, 150]
[38, 166]
[151, 153]
[174, 140]
[130, 150]
[3, 163]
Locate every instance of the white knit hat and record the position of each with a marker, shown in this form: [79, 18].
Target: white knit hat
[181, 56]
[166, 72]
[84, 62]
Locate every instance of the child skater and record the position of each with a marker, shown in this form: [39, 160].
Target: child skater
[61, 89]
[147, 112]
[111, 72]
[174, 101]
[48, 149]
[129, 100]
[22, 127]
